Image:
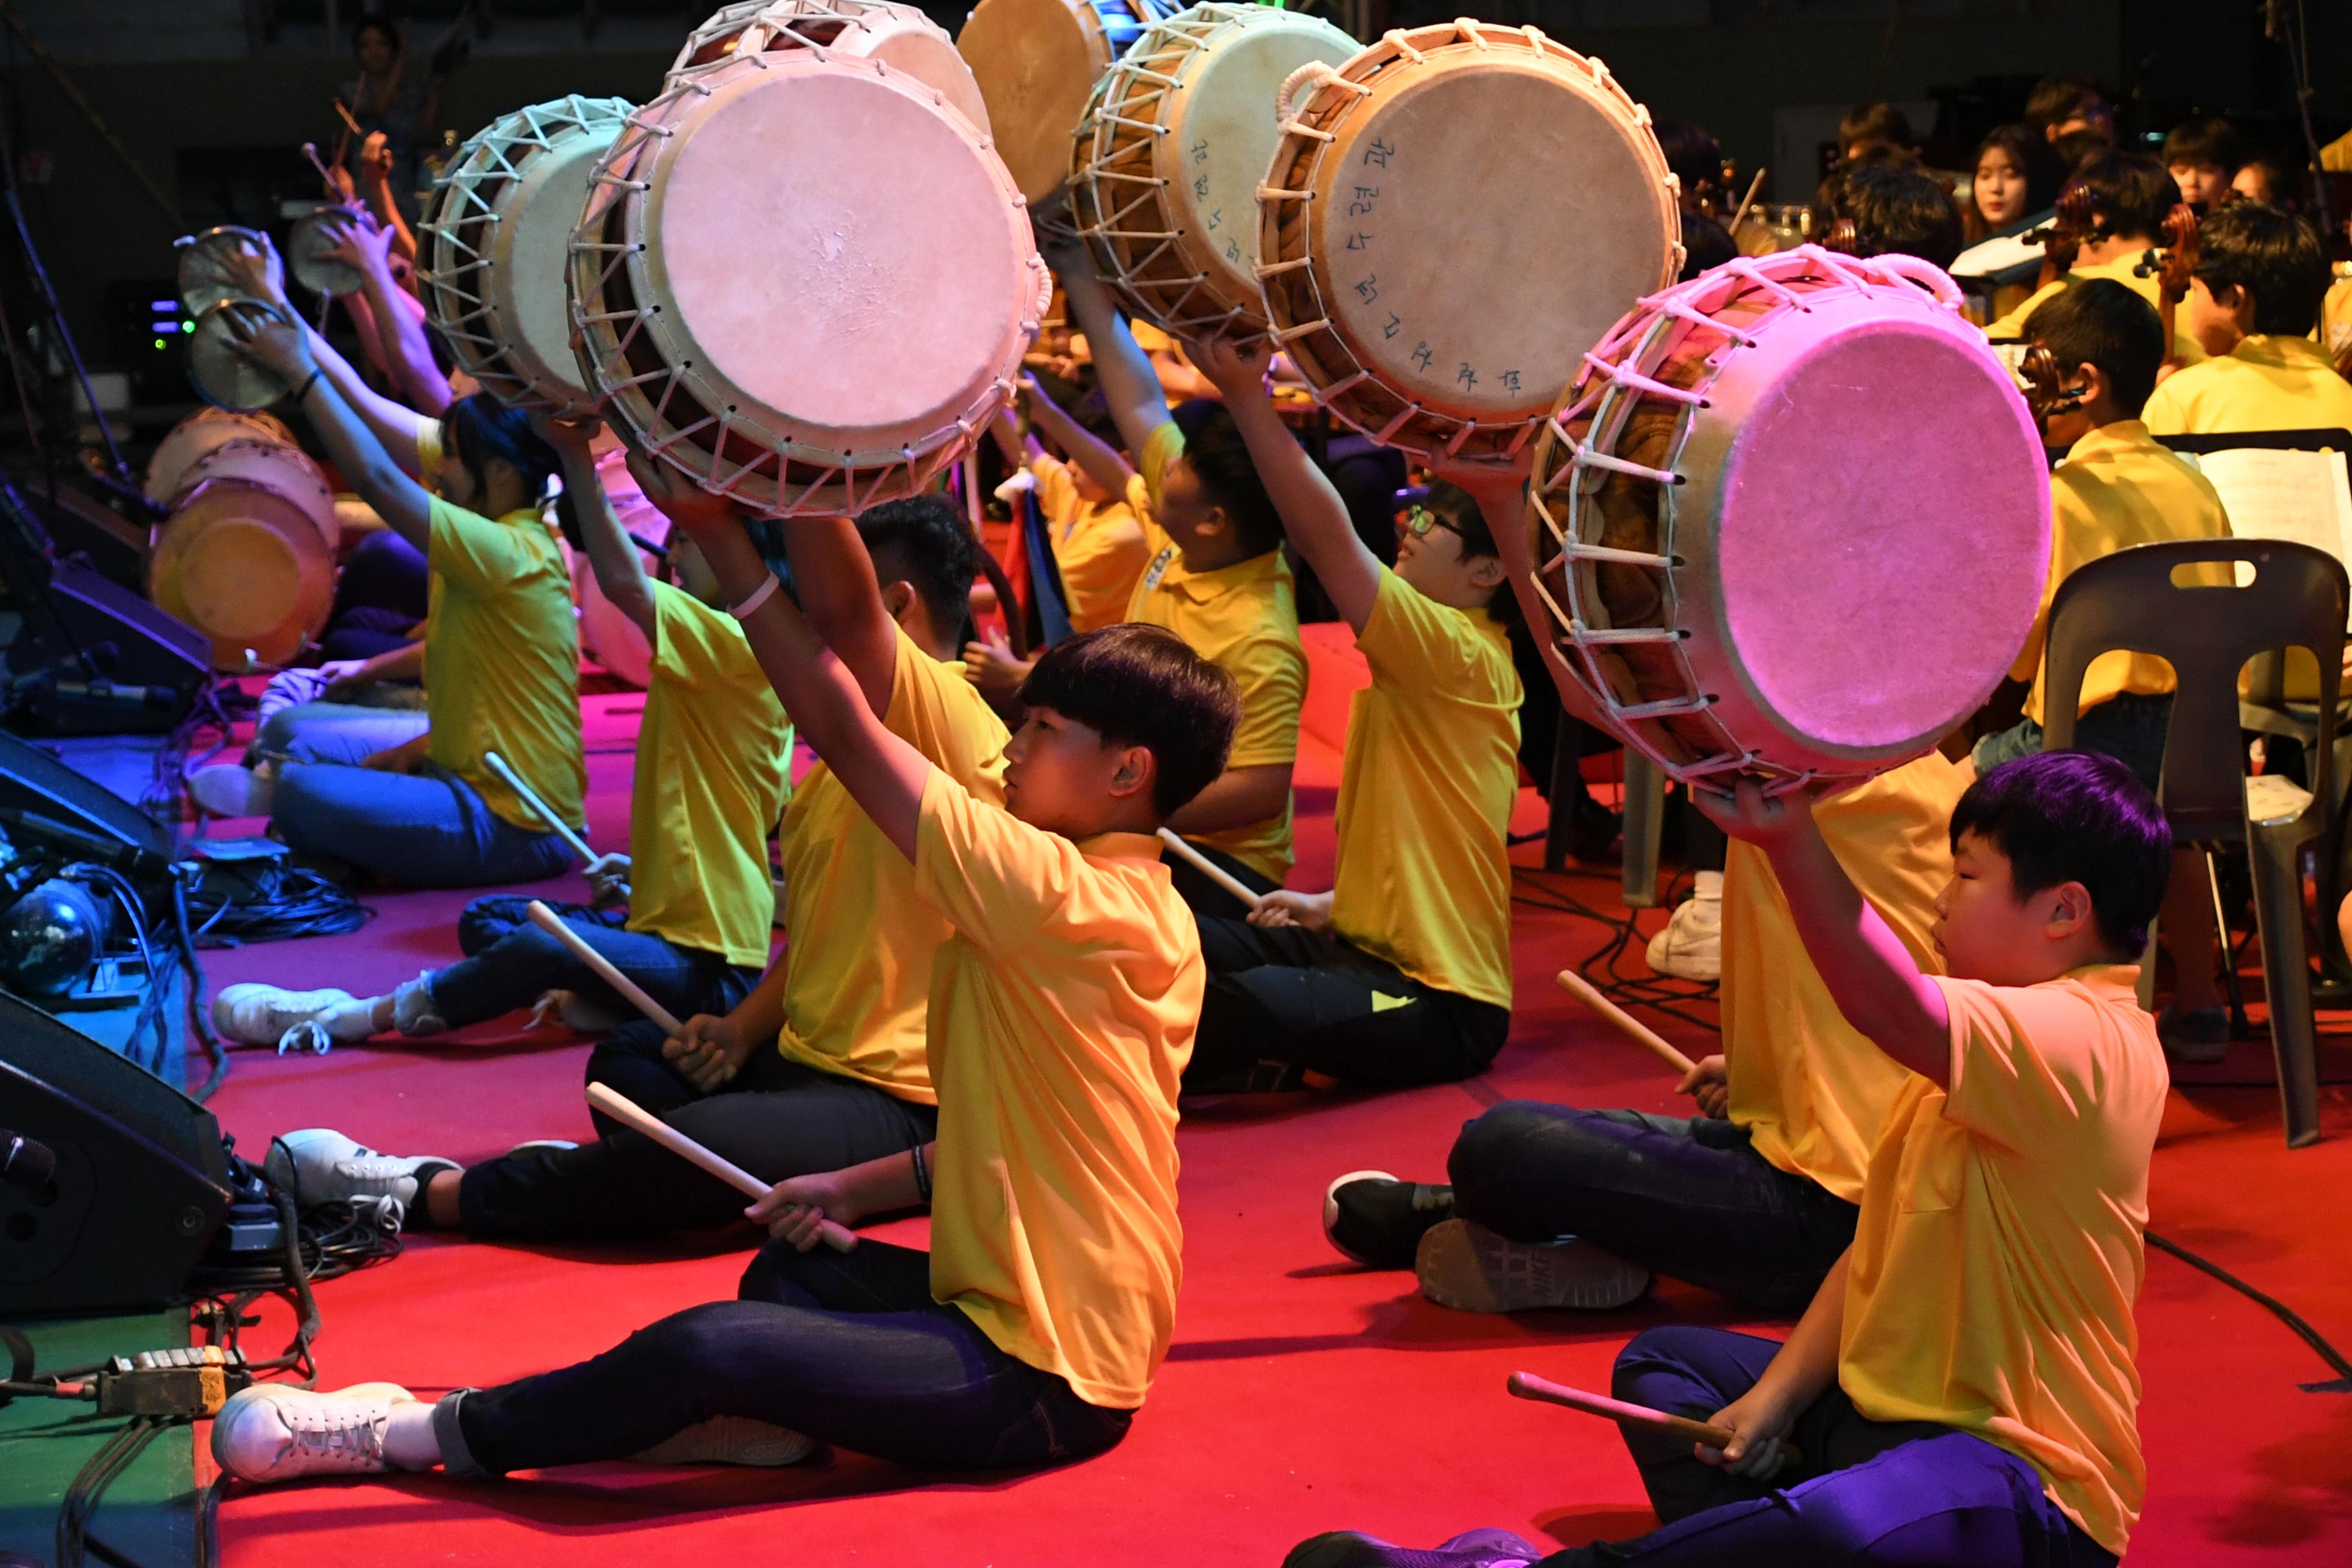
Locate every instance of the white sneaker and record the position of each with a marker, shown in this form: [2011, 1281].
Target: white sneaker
[318, 1166]
[253, 1013]
[730, 1440]
[275, 1432]
[1691, 947]
[232, 790]
[1471, 1268]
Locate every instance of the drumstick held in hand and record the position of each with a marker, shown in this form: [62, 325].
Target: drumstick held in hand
[1212, 871]
[578, 846]
[624, 1109]
[1528, 1386]
[1576, 986]
[1754, 185]
[548, 920]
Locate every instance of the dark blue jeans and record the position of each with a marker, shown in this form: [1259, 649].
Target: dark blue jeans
[1686, 1198]
[1909, 1493]
[424, 829]
[848, 1348]
[509, 962]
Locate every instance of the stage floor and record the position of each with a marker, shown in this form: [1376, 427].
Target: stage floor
[1302, 1392]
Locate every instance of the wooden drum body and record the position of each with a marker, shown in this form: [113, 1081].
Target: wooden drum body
[1452, 219]
[495, 248]
[247, 556]
[1037, 62]
[203, 431]
[804, 281]
[1791, 522]
[1166, 167]
[898, 36]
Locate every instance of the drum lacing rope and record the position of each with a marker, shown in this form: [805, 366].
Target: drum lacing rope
[1586, 458]
[1624, 375]
[1395, 38]
[1745, 267]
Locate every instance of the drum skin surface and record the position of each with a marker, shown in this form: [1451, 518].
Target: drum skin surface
[1036, 62]
[200, 433]
[247, 556]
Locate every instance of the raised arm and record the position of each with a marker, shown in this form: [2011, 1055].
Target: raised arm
[611, 555]
[1313, 515]
[1870, 974]
[375, 183]
[400, 326]
[282, 345]
[1139, 404]
[1099, 459]
[883, 774]
[842, 603]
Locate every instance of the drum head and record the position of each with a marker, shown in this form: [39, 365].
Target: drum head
[306, 250]
[204, 278]
[201, 432]
[243, 565]
[530, 313]
[1036, 61]
[284, 470]
[221, 376]
[822, 240]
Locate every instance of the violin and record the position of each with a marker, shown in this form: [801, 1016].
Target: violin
[2062, 238]
[2172, 265]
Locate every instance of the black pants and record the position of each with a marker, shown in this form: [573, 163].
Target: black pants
[848, 1348]
[1687, 1198]
[1291, 994]
[1910, 1492]
[1206, 899]
[776, 1119]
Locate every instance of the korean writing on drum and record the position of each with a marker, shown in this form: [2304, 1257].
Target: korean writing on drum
[1199, 153]
[1358, 199]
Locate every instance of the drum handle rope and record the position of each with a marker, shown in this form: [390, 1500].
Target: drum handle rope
[1322, 75]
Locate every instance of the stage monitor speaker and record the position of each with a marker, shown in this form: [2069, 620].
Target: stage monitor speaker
[32, 780]
[149, 666]
[141, 1183]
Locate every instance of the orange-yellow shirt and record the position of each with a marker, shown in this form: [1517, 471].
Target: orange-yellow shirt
[1098, 546]
[2186, 350]
[1811, 1091]
[1998, 1254]
[859, 965]
[1061, 1014]
[2266, 383]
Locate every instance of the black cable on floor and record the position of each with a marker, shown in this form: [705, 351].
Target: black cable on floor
[2276, 1308]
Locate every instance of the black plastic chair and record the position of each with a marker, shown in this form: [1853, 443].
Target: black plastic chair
[2297, 598]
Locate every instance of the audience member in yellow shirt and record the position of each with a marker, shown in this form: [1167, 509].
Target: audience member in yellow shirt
[1963, 1390]
[501, 654]
[1400, 975]
[2254, 302]
[2117, 487]
[1217, 578]
[2131, 192]
[1062, 1015]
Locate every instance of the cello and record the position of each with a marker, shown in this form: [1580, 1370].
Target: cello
[2172, 265]
[2062, 238]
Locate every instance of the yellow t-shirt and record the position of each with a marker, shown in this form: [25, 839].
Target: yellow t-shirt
[503, 661]
[1244, 617]
[1098, 547]
[862, 942]
[1999, 1251]
[1426, 795]
[1062, 1012]
[714, 770]
[2184, 347]
[1811, 1091]
[2116, 488]
[2264, 384]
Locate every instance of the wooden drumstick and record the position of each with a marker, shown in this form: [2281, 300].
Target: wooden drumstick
[548, 920]
[1212, 871]
[1528, 1386]
[578, 846]
[624, 1109]
[1576, 986]
[1754, 185]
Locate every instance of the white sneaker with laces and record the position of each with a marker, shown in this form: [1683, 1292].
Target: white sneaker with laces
[319, 1165]
[1691, 947]
[275, 1432]
[730, 1440]
[253, 1013]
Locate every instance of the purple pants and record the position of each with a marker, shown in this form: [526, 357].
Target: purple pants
[1913, 1494]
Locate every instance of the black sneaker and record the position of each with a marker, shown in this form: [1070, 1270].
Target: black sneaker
[1378, 1220]
[2198, 1038]
[1473, 1548]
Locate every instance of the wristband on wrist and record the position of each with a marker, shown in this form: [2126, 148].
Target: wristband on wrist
[759, 595]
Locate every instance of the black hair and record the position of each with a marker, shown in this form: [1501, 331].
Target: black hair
[372, 23]
[2207, 139]
[482, 431]
[1876, 121]
[927, 542]
[2100, 321]
[2276, 255]
[2076, 816]
[1706, 245]
[1694, 155]
[2077, 148]
[1220, 459]
[1092, 415]
[1895, 208]
[2055, 99]
[2131, 192]
[2033, 156]
[1143, 686]
[1461, 512]
[767, 536]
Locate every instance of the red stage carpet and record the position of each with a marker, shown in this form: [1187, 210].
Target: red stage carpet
[1302, 1395]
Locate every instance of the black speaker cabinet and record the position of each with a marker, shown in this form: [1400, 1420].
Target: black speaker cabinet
[141, 1183]
[35, 780]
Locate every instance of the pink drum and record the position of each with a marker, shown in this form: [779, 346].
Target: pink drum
[898, 36]
[200, 433]
[803, 280]
[1792, 521]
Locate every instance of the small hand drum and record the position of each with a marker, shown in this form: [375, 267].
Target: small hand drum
[494, 248]
[1037, 62]
[221, 376]
[900, 36]
[1791, 522]
[201, 432]
[1165, 171]
[247, 556]
[204, 276]
[313, 235]
[803, 280]
[1451, 218]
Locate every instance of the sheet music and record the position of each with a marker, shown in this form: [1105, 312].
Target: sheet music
[2304, 497]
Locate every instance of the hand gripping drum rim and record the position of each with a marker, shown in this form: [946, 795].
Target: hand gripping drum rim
[1686, 734]
[462, 236]
[675, 410]
[1316, 106]
[1135, 219]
